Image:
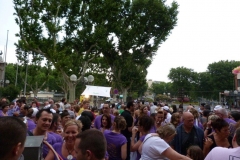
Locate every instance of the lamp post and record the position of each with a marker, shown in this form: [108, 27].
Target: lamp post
[73, 79]
[4, 83]
[89, 80]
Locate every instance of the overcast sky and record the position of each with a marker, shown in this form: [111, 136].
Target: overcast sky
[207, 31]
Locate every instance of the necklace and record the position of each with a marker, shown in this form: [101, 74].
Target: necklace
[69, 157]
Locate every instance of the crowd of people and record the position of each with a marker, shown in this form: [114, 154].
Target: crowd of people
[133, 131]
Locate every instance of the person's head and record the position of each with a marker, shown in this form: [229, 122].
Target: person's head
[3, 99]
[106, 108]
[63, 100]
[166, 132]
[5, 107]
[119, 123]
[89, 114]
[86, 104]
[130, 106]
[221, 127]
[56, 121]
[174, 107]
[44, 119]
[145, 123]
[24, 109]
[12, 137]
[206, 113]
[86, 122]
[159, 118]
[34, 104]
[235, 115]
[195, 152]
[166, 110]
[202, 106]
[222, 113]
[208, 107]
[188, 120]
[176, 119]
[236, 138]
[90, 145]
[194, 113]
[143, 110]
[116, 113]
[65, 116]
[106, 121]
[70, 130]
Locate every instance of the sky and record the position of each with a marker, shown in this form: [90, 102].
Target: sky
[207, 31]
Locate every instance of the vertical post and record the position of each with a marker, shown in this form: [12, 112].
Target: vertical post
[16, 74]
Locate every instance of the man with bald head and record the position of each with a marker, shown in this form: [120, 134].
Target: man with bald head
[187, 135]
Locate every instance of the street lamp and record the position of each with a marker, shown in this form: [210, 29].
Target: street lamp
[4, 83]
[89, 79]
[73, 79]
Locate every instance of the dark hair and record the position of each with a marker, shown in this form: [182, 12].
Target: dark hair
[120, 123]
[109, 123]
[63, 99]
[146, 122]
[54, 120]
[64, 114]
[5, 105]
[207, 107]
[195, 152]
[206, 113]
[219, 124]
[39, 113]
[235, 115]
[13, 131]
[88, 114]
[86, 122]
[155, 103]
[237, 132]
[113, 105]
[129, 104]
[94, 141]
[174, 107]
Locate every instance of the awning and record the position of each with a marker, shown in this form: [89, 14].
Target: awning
[97, 91]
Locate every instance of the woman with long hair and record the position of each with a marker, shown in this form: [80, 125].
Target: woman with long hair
[105, 122]
[66, 149]
[175, 119]
[116, 142]
[143, 111]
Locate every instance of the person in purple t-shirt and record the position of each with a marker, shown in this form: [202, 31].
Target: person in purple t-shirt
[66, 149]
[116, 142]
[105, 122]
[106, 110]
[53, 130]
[144, 126]
[43, 120]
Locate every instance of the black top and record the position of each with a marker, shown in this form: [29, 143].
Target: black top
[129, 119]
[214, 142]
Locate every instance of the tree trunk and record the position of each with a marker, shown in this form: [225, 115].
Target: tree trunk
[72, 88]
[124, 90]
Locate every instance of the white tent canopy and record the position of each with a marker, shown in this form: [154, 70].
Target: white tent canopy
[97, 91]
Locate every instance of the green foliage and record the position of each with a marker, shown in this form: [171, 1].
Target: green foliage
[9, 91]
[160, 97]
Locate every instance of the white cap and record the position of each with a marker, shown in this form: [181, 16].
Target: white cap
[166, 108]
[217, 107]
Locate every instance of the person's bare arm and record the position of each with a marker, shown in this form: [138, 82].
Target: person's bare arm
[50, 155]
[124, 151]
[172, 154]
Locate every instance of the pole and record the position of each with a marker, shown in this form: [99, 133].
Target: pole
[5, 55]
[25, 83]
[16, 74]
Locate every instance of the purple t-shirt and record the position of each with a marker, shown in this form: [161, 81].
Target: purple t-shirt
[31, 124]
[59, 138]
[153, 129]
[58, 148]
[141, 139]
[97, 122]
[114, 144]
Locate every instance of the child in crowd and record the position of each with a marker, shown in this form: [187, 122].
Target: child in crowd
[195, 152]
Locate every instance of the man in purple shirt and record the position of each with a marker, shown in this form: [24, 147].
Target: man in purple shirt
[223, 114]
[43, 120]
[106, 110]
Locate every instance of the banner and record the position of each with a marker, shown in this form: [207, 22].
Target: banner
[97, 91]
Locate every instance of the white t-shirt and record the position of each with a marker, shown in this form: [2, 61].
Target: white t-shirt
[220, 153]
[153, 147]
[153, 109]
